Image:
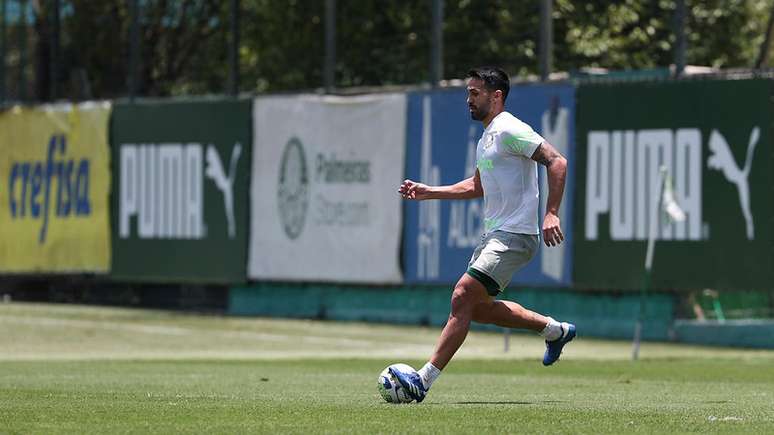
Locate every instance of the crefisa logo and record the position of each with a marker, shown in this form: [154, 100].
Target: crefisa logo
[293, 188]
[31, 187]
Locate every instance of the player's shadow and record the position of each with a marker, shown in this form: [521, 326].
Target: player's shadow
[508, 402]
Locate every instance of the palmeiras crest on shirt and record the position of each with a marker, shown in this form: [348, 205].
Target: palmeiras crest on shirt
[488, 141]
[293, 188]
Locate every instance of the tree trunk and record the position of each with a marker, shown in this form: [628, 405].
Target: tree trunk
[763, 55]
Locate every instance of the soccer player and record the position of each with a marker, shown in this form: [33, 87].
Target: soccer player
[506, 176]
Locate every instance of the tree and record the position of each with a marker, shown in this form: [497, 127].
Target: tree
[183, 43]
[630, 34]
[763, 53]
[499, 32]
[282, 45]
[182, 46]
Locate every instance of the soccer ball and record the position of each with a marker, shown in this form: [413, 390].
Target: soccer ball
[390, 388]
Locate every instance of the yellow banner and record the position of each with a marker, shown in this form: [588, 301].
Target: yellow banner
[54, 187]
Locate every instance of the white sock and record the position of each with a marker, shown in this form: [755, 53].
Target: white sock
[429, 373]
[553, 330]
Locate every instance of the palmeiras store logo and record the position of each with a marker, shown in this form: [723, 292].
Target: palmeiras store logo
[293, 188]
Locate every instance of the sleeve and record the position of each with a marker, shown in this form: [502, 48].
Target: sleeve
[520, 139]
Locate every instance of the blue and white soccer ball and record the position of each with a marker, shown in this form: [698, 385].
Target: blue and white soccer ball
[390, 388]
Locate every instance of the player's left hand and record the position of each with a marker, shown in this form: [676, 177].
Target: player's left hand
[552, 231]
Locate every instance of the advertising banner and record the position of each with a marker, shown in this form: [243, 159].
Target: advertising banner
[54, 181]
[714, 139]
[440, 236]
[181, 172]
[324, 190]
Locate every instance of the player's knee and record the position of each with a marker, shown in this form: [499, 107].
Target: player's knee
[462, 300]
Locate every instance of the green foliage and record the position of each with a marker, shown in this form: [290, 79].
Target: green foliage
[726, 33]
[383, 43]
[632, 34]
[501, 32]
[615, 35]
[183, 44]
[98, 44]
[282, 44]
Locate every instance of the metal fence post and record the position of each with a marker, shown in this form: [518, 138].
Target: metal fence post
[134, 46]
[436, 49]
[2, 50]
[22, 35]
[680, 41]
[54, 67]
[330, 45]
[233, 50]
[546, 39]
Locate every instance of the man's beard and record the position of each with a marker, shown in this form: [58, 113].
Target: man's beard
[479, 113]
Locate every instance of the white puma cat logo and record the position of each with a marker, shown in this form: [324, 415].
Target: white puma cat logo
[722, 160]
[224, 183]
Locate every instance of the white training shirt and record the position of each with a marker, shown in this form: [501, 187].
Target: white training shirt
[509, 175]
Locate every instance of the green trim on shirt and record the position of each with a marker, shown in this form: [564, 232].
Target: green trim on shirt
[517, 144]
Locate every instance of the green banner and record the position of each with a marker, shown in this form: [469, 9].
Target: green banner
[714, 138]
[180, 191]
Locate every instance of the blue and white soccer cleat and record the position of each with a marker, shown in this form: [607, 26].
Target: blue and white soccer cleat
[554, 348]
[411, 382]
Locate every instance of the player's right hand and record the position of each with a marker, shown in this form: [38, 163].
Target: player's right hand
[413, 190]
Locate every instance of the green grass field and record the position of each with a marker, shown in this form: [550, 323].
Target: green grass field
[71, 369]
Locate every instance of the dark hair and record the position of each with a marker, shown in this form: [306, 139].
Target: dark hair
[494, 78]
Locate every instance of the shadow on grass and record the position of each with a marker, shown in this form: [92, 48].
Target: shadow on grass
[508, 402]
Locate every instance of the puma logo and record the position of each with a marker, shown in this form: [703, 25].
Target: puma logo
[721, 159]
[224, 182]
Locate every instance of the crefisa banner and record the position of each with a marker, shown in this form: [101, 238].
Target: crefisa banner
[714, 138]
[55, 174]
[324, 190]
[181, 172]
[440, 236]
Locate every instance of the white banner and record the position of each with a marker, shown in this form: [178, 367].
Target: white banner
[324, 188]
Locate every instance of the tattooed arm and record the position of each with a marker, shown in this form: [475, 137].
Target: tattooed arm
[556, 169]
